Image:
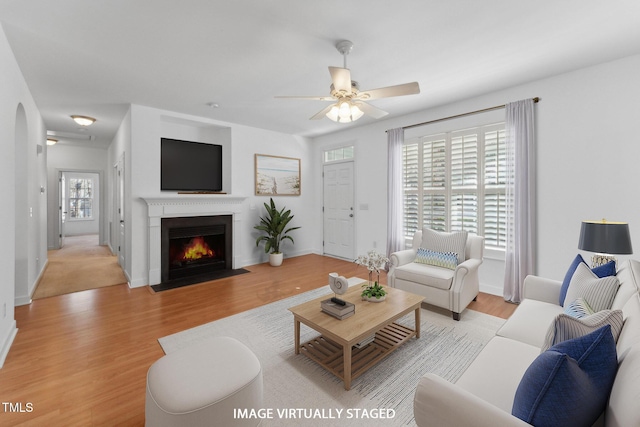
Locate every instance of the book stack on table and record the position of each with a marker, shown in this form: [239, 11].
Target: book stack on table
[336, 310]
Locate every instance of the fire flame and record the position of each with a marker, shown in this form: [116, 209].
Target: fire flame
[197, 249]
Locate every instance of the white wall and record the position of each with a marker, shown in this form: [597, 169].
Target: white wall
[139, 140]
[587, 154]
[24, 218]
[61, 157]
[118, 149]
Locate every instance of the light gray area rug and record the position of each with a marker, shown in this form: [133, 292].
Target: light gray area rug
[299, 392]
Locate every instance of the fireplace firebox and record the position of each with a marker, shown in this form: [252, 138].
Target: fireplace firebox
[195, 249]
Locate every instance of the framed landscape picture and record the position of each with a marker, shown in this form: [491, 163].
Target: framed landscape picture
[277, 176]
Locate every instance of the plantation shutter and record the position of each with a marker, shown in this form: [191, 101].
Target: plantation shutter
[410, 179]
[495, 216]
[434, 183]
[464, 183]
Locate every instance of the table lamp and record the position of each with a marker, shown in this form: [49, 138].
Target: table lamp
[606, 239]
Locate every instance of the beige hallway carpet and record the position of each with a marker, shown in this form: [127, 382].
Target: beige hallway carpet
[81, 264]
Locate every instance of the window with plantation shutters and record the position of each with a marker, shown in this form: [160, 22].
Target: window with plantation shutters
[456, 181]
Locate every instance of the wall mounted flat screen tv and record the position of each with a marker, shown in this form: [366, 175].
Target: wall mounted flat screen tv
[190, 166]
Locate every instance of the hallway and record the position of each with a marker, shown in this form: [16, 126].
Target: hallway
[79, 265]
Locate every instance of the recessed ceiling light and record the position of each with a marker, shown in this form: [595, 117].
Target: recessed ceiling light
[51, 141]
[83, 120]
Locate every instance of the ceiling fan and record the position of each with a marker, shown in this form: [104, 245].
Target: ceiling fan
[348, 97]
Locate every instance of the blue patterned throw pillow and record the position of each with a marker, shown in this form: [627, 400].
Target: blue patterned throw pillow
[579, 308]
[569, 384]
[440, 241]
[439, 259]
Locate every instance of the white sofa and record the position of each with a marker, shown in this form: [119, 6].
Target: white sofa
[484, 394]
[442, 287]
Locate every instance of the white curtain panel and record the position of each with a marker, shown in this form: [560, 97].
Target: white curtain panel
[520, 194]
[395, 240]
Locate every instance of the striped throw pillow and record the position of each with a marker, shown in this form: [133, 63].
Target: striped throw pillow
[439, 259]
[438, 241]
[597, 292]
[566, 327]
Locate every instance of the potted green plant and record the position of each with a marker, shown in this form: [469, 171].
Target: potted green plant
[374, 293]
[274, 224]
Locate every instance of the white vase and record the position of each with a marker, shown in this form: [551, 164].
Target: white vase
[374, 299]
[275, 259]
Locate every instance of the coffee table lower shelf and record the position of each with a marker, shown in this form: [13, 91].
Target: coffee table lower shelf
[330, 355]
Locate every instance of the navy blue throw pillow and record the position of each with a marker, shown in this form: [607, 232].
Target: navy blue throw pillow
[606, 270]
[569, 384]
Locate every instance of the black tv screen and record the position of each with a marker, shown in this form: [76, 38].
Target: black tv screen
[190, 166]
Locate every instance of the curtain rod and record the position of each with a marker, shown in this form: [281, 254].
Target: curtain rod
[484, 110]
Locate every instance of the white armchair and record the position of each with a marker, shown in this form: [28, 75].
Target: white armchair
[442, 287]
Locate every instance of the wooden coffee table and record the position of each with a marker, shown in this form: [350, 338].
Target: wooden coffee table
[334, 348]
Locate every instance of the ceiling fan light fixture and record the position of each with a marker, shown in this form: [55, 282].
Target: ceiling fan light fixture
[344, 112]
[333, 113]
[356, 112]
[83, 120]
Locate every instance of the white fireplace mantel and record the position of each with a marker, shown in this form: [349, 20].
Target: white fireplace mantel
[184, 206]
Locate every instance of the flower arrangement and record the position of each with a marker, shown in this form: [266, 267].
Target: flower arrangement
[373, 261]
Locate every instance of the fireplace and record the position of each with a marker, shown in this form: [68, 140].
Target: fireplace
[195, 249]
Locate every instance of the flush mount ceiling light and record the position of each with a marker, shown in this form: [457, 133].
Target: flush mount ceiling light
[83, 120]
[51, 141]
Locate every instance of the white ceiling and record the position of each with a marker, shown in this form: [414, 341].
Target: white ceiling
[96, 57]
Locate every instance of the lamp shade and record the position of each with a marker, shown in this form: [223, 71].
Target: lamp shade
[605, 237]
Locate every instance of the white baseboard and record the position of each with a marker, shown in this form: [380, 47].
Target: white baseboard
[6, 344]
[491, 289]
[36, 283]
[137, 283]
[24, 300]
[262, 257]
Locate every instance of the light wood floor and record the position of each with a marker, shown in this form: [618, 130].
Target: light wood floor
[82, 358]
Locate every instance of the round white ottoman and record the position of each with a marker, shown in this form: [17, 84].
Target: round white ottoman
[202, 384]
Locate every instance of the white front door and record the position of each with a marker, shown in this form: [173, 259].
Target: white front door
[339, 212]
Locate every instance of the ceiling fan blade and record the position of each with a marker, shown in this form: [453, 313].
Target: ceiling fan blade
[341, 78]
[321, 114]
[315, 98]
[386, 92]
[372, 111]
